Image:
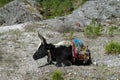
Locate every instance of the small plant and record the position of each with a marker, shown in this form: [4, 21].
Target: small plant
[69, 36]
[111, 30]
[56, 75]
[112, 48]
[93, 29]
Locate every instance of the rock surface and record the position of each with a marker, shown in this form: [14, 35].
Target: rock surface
[104, 11]
[100, 9]
[19, 11]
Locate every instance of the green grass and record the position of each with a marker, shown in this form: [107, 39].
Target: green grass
[52, 8]
[112, 48]
[93, 30]
[3, 2]
[56, 75]
[111, 29]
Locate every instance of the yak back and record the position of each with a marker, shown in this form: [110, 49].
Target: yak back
[64, 52]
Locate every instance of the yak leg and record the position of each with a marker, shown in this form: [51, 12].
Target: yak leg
[63, 60]
[49, 60]
[67, 63]
[59, 62]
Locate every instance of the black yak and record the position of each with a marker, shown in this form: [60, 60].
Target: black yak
[61, 53]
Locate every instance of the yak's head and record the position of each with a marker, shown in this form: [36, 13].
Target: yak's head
[43, 48]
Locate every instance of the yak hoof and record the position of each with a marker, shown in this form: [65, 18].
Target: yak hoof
[51, 62]
[67, 63]
[59, 65]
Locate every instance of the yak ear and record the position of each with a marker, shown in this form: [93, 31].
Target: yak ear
[42, 38]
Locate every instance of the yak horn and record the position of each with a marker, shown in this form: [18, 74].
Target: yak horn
[42, 38]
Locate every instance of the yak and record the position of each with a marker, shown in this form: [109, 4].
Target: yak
[61, 52]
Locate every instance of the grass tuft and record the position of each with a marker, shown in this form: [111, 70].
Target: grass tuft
[111, 29]
[93, 30]
[56, 75]
[112, 48]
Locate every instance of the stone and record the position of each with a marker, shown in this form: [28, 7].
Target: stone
[17, 12]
